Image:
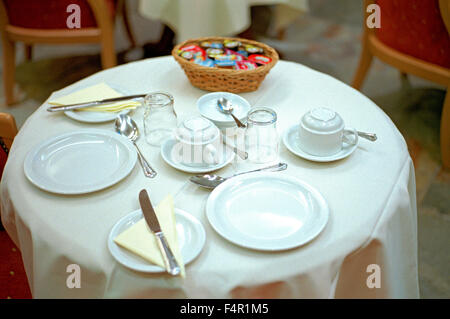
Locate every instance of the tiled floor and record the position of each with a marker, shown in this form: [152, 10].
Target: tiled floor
[326, 39]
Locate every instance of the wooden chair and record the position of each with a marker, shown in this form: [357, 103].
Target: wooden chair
[8, 131]
[435, 69]
[97, 26]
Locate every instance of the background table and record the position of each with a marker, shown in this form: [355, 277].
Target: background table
[201, 18]
[371, 196]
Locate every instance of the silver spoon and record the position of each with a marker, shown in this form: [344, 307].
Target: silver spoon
[226, 107]
[238, 152]
[127, 127]
[368, 136]
[211, 181]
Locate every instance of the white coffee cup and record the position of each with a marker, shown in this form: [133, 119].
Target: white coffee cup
[196, 137]
[322, 132]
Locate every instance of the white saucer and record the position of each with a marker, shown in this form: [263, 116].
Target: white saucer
[166, 153]
[290, 140]
[191, 238]
[207, 105]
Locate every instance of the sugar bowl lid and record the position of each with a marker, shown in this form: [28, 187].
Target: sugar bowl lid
[323, 120]
[197, 130]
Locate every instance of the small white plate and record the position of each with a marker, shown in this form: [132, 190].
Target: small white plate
[191, 239]
[99, 117]
[291, 141]
[207, 105]
[94, 117]
[166, 154]
[267, 211]
[80, 162]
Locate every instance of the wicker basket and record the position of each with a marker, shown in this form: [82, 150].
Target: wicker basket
[227, 80]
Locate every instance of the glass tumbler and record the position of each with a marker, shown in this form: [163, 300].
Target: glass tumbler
[261, 136]
[160, 119]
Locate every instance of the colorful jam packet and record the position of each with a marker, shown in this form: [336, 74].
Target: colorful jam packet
[259, 59]
[245, 65]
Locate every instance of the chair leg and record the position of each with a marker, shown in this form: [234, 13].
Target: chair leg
[108, 56]
[127, 24]
[445, 131]
[108, 51]
[28, 52]
[403, 75]
[281, 34]
[365, 61]
[9, 65]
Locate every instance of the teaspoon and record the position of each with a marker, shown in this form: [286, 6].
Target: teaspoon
[211, 181]
[127, 127]
[226, 107]
[368, 136]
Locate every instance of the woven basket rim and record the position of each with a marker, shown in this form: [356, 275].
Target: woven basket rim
[269, 51]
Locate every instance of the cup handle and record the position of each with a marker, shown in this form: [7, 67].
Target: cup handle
[347, 133]
[211, 154]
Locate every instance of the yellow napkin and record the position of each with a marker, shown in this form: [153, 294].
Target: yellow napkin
[140, 240]
[93, 93]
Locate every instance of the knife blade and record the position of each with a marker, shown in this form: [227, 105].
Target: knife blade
[68, 107]
[170, 262]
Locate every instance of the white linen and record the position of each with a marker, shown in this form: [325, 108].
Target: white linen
[200, 18]
[371, 196]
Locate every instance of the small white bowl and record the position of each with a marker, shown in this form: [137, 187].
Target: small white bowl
[207, 105]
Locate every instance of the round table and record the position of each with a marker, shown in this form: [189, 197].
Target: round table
[371, 197]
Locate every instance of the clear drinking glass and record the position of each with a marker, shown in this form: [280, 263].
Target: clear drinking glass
[160, 119]
[261, 136]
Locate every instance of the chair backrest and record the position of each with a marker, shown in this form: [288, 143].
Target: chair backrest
[8, 129]
[51, 14]
[417, 28]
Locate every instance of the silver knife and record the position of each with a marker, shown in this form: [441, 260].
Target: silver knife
[172, 266]
[93, 103]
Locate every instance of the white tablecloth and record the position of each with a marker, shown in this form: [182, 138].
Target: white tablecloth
[201, 18]
[371, 196]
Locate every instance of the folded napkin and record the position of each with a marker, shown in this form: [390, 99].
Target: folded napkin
[94, 93]
[140, 240]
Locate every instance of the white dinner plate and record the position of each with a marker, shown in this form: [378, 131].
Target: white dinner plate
[191, 239]
[80, 162]
[166, 153]
[267, 211]
[291, 141]
[207, 105]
